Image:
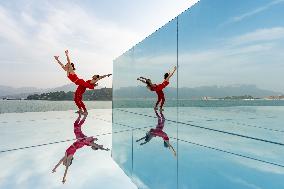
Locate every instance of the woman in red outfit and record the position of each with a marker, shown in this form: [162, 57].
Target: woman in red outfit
[78, 97]
[158, 88]
[70, 70]
[82, 140]
[82, 85]
[158, 132]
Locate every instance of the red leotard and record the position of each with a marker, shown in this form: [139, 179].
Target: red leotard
[162, 85]
[159, 133]
[73, 77]
[79, 144]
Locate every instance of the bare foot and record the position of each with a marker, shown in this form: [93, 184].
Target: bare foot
[79, 112]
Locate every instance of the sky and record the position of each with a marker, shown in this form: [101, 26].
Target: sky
[220, 43]
[95, 32]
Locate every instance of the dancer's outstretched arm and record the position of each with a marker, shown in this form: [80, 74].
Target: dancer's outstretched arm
[60, 63]
[103, 76]
[99, 147]
[65, 172]
[141, 139]
[141, 80]
[105, 149]
[171, 73]
[171, 148]
[68, 58]
[96, 79]
[60, 161]
[143, 143]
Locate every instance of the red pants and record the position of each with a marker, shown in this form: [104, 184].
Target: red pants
[78, 98]
[161, 98]
[159, 90]
[77, 128]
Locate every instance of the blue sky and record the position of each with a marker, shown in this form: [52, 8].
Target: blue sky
[95, 32]
[232, 42]
[221, 43]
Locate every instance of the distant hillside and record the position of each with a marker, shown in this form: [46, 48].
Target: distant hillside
[197, 92]
[97, 94]
[9, 91]
[23, 92]
[65, 88]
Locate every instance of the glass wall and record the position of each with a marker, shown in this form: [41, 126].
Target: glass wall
[222, 119]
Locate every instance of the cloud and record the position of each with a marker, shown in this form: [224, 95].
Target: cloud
[254, 11]
[32, 32]
[242, 182]
[31, 168]
[259, 35]
[92, 42]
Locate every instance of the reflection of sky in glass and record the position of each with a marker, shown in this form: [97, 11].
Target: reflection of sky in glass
[219, 43]
[235, 147]
[222, 48]
[147, 58]
[232, 42]
[31, 167]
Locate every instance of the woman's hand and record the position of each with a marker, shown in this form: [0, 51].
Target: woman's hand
[66, 52]
[63, 181]
[53, 170]
[56, 57]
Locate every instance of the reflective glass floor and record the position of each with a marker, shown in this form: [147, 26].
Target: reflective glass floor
[204, 148]
[31, 144]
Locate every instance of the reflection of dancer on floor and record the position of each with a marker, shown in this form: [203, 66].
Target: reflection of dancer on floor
[82, 85]
[82, 140]
[158, 132]
[158, 88]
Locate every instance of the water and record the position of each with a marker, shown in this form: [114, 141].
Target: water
[19, 106]
[217, 147]
[32, 143]
[147, 103]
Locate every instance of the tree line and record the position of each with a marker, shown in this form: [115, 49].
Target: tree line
[103, 94]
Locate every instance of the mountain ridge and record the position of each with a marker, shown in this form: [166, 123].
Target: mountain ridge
[23, 92]
[197, 92]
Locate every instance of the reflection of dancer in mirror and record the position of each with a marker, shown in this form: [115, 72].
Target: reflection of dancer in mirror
[158, 131]
[82, 85]
[82, 140]
[158, 88]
